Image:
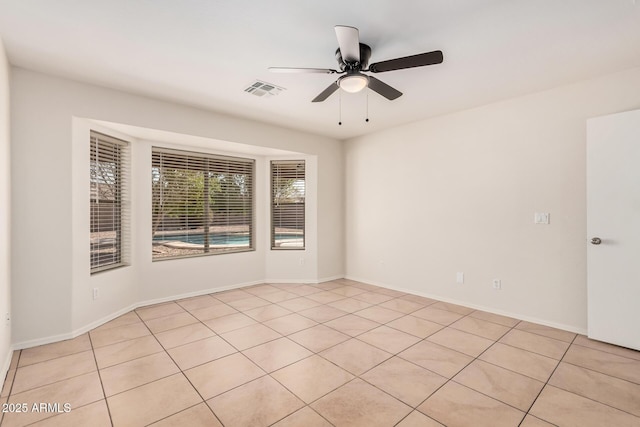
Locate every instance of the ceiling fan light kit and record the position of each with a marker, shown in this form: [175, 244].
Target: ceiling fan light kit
[353, 83]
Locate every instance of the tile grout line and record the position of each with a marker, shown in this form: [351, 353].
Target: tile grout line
[608, 352]
[12, 382]
[392, 355]
[157, 379]
[413, 408]
[318, 398]
[589, 369]
[602, 373]
[106, 403]
[590, 398]
[412, 411]
[497, 341]
[204, 401]
[305, 404]
[51, 383]
[464, 367]
[163, 349]
[547, 382]
[181, 372]
[57, 357]
[382, 324]
[329, 361]
[397, 354]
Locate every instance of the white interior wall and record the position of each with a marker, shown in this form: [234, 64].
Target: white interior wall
[458, 193]
[55, 299]
[5, 216]
[119, 289]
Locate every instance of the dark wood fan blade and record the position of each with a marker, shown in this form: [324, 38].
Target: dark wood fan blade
[326, 93]
[383, 89]
[302, 70]
[349, 43]
[420, 60]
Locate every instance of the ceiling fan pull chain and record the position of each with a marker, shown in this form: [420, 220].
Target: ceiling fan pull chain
[340, 108]
[367, 118]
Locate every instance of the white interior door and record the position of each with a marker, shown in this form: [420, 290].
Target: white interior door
[613, 227]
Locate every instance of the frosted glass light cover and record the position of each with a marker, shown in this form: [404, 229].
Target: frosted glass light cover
[353, 84]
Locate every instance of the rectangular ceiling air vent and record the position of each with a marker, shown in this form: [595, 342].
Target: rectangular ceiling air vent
[263, 89]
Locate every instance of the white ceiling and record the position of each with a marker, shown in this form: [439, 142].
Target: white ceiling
[205, 52]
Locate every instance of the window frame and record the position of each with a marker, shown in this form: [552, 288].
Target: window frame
[272, 204]
[120, 191]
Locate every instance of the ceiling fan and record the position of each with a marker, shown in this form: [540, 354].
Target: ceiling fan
[353, 59]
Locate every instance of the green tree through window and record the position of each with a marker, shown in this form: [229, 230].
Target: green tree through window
[200, 203]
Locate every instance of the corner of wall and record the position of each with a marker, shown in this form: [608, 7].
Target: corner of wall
[5, 217]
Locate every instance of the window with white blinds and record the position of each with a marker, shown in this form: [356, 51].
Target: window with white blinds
[287, 204]
[201, 204]
[108, 171]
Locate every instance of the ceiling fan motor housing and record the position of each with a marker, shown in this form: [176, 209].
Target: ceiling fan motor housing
[365, 54]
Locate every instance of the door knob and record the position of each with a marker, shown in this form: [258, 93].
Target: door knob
[596, 241]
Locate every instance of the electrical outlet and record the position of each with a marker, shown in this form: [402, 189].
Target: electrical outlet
[497, 284]
[95, 293]
[301, 261]
[459, 277]
[541, 218]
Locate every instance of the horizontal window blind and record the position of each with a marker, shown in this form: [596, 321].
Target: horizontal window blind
[202, 203]
[108, 170]
[287, 204]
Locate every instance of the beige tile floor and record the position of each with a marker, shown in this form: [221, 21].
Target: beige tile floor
[340, 353]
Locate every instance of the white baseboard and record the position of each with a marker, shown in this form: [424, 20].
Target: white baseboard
[518, 316]
[290, 281]
[6, 362]
[328, 279]
[197, 293]
[304, 281]
[85, 328]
